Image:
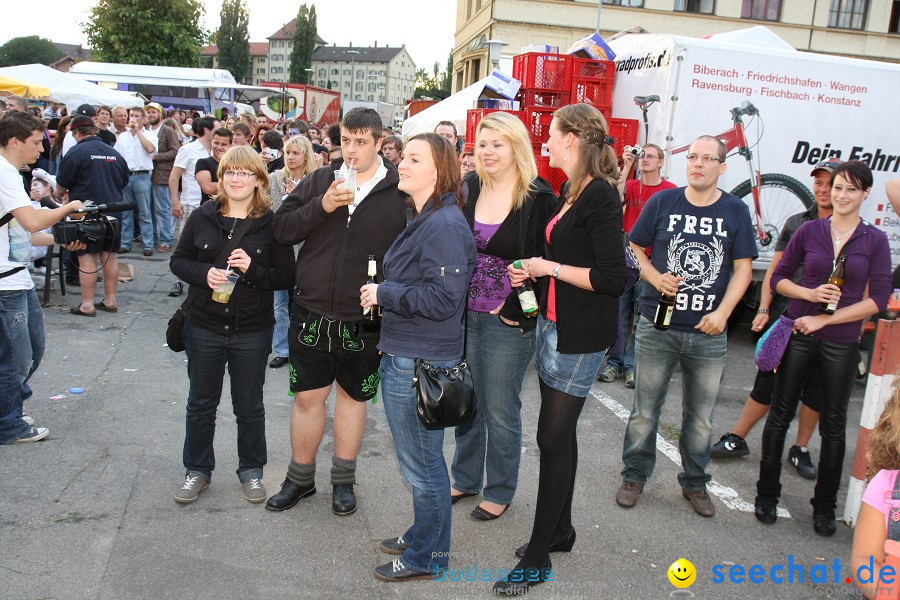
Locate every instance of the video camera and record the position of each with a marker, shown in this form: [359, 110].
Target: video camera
[101, 233]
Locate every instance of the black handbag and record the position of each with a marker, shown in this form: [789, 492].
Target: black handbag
[175, 329]
[445, 396]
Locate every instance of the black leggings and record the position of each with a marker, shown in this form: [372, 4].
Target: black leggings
[835, 367]
[556, 483]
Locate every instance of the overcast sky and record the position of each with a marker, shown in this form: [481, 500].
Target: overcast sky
[362, 22]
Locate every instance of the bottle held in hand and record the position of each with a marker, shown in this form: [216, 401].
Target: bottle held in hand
[526, 295]
[836, 278]
[664, 310]
[372, 314]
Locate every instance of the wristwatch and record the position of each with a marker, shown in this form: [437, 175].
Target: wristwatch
[555, 272]
[762, 311]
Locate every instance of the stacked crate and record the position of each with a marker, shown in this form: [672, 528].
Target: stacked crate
[550, 81]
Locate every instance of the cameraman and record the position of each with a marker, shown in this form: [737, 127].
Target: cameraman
[22, 345]
[93, 171]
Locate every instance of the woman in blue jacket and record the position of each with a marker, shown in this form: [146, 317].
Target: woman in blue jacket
[426, 277]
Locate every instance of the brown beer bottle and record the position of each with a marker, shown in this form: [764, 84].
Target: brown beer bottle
[836, 278]
[664, 311]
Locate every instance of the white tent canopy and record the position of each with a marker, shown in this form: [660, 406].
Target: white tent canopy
[758, 36]
[451, 109]
[220, 80]
[70, 90]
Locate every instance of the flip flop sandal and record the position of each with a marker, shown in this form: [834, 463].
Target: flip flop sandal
[105, 308]
[76, 310]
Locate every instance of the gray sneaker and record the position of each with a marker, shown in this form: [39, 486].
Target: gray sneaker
[194, 483]
[34, 434]
[254, 490]
[629, 378]
[609, 374]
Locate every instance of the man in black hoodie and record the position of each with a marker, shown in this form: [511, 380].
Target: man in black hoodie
[329, 344]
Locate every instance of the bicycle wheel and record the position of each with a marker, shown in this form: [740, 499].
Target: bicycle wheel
[780, 196]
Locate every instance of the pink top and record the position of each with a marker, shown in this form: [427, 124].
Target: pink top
[878, 495]
[551, 293]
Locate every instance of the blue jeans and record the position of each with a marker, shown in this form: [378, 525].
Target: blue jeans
[282, 321]
[621, 354]
[138, 191]
[421, 457]
[245, 354]
[702, 359]
[573, 374]
[498, 356]
[162, 214]
[21, 350]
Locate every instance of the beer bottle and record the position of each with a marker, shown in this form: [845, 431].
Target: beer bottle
[836, 278]
[664, 310]
[526, 295]
[371, 314]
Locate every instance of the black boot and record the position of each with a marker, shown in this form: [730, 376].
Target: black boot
[343, 500]
[290, 494]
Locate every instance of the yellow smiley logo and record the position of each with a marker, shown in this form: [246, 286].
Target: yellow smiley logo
[682, 573]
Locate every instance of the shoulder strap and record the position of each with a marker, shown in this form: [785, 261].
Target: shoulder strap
[893, 532]
[3, 221]
[6, 219]
[223, 255]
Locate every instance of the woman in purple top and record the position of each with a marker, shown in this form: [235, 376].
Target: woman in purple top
[507, 208]
[827, 341]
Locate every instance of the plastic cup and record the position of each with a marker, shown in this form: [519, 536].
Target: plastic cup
[223, 292]
[347, 181]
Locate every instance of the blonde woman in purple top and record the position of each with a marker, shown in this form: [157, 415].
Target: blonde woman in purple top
[827, 341]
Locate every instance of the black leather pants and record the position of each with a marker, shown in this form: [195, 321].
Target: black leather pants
[836, 366]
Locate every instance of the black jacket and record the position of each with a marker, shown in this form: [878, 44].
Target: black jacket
[588, 235]
[331, 265]
[271, 268]
[516, 238]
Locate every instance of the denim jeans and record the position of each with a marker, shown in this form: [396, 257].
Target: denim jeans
[834, 364]
[421, 457]
[245, 353]
[573, 374]
[702, 359]
[498, 356]
[138, 191]
[621, 354]
[282, 321]
[163, 221]
[21, 350]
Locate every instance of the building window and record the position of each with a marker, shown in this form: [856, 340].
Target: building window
[335, 72]
[347, 72]
[334, 85]
[360, 73]
[371, 87]
[260, 71]
[346, 84]
[634, 3]
[894, 24]
[705, 7]
[848, 14]
[359, 86]
[321, 83]
[371, 97]
[468, 10]
[260, 60]
[761, 10]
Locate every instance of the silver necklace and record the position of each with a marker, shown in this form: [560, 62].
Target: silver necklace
[840, 235]
[233, 224]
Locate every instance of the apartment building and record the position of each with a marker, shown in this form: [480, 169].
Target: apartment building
[259, 61]
[374, 74]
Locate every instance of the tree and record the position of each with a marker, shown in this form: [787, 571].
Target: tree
[447, 81]
[27, 50]
[167, 33]
[437, 84]
[305, 35]
[233, 39]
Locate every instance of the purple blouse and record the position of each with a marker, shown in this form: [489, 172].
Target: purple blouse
[489, 286]
[868, 261]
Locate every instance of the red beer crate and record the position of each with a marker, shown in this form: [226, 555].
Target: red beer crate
[542, 98]
[539, 71]
[625, 132]
[537, 122]
[474, 116]
[555, 177]
[594, 92]
[594, 69]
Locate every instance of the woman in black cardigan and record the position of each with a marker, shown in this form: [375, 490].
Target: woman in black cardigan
[507, 208]
[238, 332]
[580, 276]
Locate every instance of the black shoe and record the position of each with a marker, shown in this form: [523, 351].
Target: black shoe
[458, 497]
[278, 362]
[520, 580]
[394, 545]
[563, 544]
[480, 514]
[802, 461]
[765, 512]
[397, 571]
[343, 500]
[823, 523]
[728, 446]
[290, 494]
[176, 289]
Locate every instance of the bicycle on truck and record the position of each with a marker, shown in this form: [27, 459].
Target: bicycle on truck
[772, 197]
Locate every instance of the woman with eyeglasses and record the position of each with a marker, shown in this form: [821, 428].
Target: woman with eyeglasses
[233, 331]
[825, 342]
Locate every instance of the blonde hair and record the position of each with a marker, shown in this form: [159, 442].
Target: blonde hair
[884, 445]
[515, 134]
[245, 158]
[596, 157]
[305, 147]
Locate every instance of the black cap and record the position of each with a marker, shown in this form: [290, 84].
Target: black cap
[829, 165]
[86, 110]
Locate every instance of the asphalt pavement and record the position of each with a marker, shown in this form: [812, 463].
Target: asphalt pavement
[89, 512]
